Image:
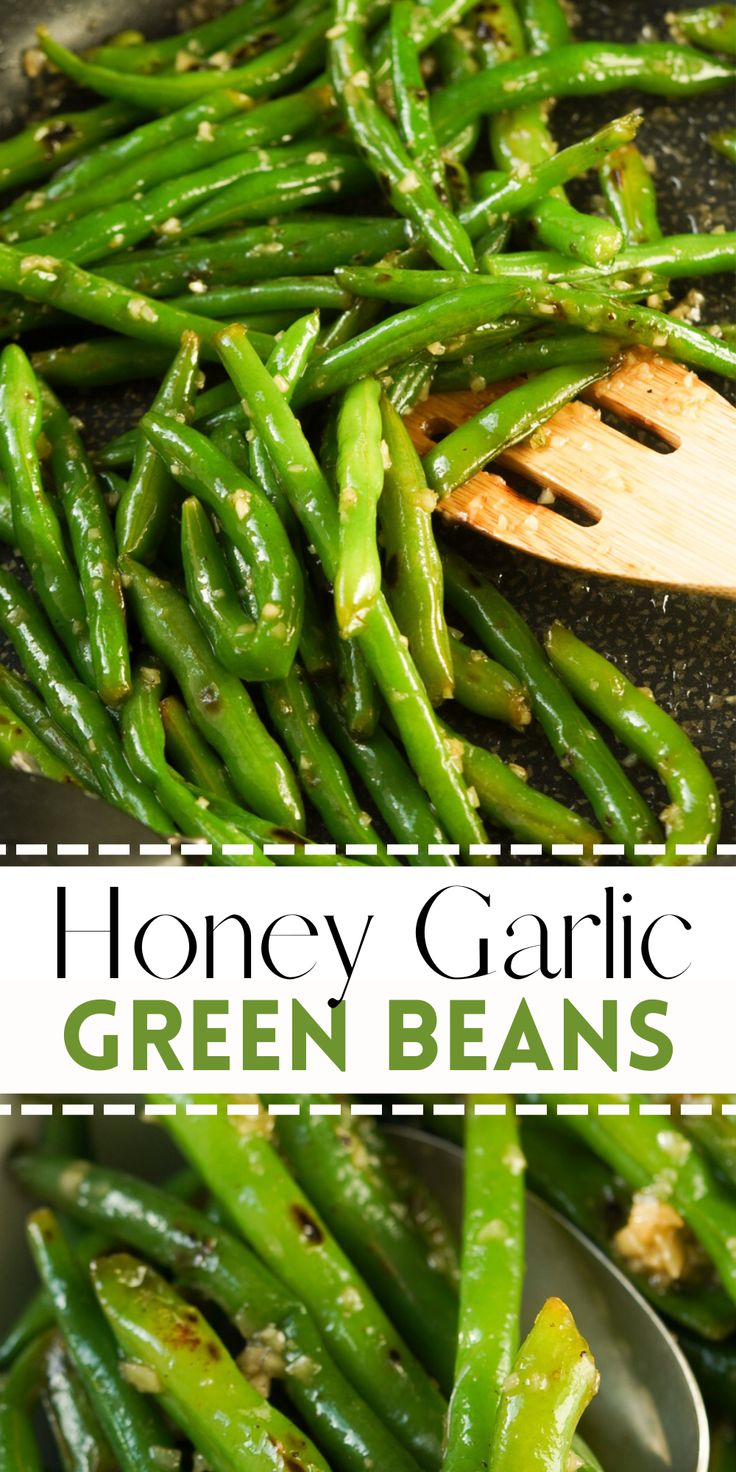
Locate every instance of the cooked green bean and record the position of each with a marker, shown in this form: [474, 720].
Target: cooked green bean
[359, 471]
[240, 1165]
[505, 797]
[409, 384]
[131, 1424]
[21, 750]
[152, 1222]
[95, 553]
[385, 774]
[504, 422]
[637, 1148]
[711, 26]
[144, 746]
[21, 698]
[584, 1189]
[491, 1275]
[20, 1388]
[585, 69]
[101, 363]
[333, 1162]
[217, 701]
[414, 581]
[628, 189]
[485, 687]
[75, 1427]
[287, 364]
[144, 508]
[198, 42]
[276, 70]
[74, 707]
[621, 812]
[409, 188]
[38, 149]
[295, 293]
[716, 1137]
[36, 526]
[411, 99]
[44, 278]
[231, 1425]
[693, 814]
[554, 1378]
[671, 256]
[262, 644]
[390, 664]
[725, 142]
[190, 754]
[546, 24]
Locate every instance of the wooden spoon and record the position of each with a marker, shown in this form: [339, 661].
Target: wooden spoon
[656, 517]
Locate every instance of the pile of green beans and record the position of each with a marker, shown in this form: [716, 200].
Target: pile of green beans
[280, 1324]
[197, 227]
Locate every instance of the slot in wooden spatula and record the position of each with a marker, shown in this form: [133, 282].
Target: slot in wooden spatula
[657, 517]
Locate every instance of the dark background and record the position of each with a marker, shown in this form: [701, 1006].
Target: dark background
[681, 645]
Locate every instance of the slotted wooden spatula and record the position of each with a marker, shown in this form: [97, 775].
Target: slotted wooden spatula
[657, 517]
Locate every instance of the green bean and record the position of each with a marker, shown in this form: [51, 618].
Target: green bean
[47, 279]
[410, 384]
[75, 1427]
[276, 70]
[144, 509]
[190, 755]
[302, 246]
[218, 703]
[628, 189]
[262, 646]
[521, 140]
[195, 202]
[241, 1167]
[20, 1388]
[101, 363]
[37, 150]
[711, 26]
[637, 1148]
[294, 715]
[491, 1275]
[456, 58]
[212, 595]
[715, 1368]
[95, 553]
[131, 1425]
[21, 750]
[332, 173]
[74, 707]
[152, 1222]
[411, 99]
[621, 812]
[428, 326]
[715, 1135]
[422, 1208]
[586, 69]
[692, 817]
[287, 364]
[672, 256]
[7, 534]
[507, 420]
[359, 483]
[231, 1425]
[505, 797]
[485, 687]
[108, 158]
[297, 293]
[272, 123]
[553, 1380]
[384, 773]
[357, 689]
[414, 581]
[36, 526]
[585, 1190]
[334, 1164]
[390, 664]
[24, 703]
[200, 41]
[725, 143]
[144, 746]
[430, 22]
[545, 23]
[409, 188]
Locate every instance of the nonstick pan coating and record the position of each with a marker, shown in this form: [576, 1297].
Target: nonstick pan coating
[682, 646]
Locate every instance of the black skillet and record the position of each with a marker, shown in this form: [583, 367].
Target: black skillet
[681, 645]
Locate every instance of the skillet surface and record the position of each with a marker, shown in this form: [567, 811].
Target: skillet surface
[681, 645]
